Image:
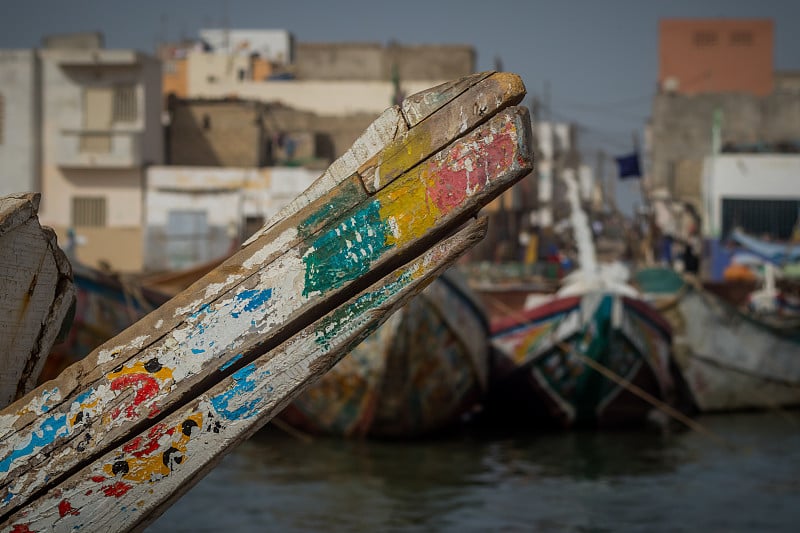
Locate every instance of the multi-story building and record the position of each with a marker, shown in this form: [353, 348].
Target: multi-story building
[716, 80]
[91, 124]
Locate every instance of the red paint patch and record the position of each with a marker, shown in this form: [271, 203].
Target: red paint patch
[21, 528]
[453, 179]
[139, 447]
[98, 479]
[146, 387]
[88, 492]
[117, 489]
[65, 508]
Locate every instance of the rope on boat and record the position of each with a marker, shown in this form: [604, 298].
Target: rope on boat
[644, 395]
[625, 384]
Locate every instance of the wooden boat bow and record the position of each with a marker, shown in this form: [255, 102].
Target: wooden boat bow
[118, 436]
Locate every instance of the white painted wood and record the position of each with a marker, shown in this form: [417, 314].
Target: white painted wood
[337, 242]
[132, 484]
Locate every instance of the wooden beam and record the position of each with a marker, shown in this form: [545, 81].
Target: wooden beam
[132, 484]
[36, 293]
[335, 242]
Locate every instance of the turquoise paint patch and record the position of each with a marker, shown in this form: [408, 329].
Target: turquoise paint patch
[331, 325]
[229, 363]
[347, 251]
[250, 300]
[49, 430]
[244, 382]
[197, 351]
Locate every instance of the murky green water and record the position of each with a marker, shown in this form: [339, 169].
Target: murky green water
[585, 481]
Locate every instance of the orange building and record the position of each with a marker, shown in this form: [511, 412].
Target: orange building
[716, 55]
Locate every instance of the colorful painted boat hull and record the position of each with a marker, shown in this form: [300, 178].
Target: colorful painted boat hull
[424, 369]
[731, 360]
[541, 374]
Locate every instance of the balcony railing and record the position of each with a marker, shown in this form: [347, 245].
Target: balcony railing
[100, 149]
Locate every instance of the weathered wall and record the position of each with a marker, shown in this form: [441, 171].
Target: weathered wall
[19, 122]
[716, 55]
[216, 133]
[373, 61]
[681, 127]
[224, 198]
[244, 134]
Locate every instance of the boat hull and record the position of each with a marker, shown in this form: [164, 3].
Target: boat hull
[744, 364]
[418, 374]
[543, 365]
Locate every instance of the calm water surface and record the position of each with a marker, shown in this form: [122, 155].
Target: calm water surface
[584, 481]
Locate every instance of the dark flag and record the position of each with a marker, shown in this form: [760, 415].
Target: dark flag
[628, 166]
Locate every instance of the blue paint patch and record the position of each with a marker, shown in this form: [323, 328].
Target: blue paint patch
[197, 351]
[252, 299]
[229, 363]
[46, 394]
[245, 382]
[8, 497]
[346, 251]
[49, 430]
[203, 309]
[82, 397]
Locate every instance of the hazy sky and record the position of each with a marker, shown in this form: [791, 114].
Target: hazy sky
[599, 58]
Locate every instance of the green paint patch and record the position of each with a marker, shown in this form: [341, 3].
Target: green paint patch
[345, 196]
[346, 251]
[332, 325]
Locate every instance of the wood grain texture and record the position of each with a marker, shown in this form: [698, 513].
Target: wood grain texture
[456, 117]
[137, 480]
[421, 105]
[36, 292]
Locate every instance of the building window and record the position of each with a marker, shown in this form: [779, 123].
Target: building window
[170, 67]
[88, 211]
[124, 109]
[741, 38]
[705, 38]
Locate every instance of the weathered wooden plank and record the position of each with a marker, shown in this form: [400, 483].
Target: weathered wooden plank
[456, 117]
[250, 304]
[36, 293]
[132, 484]
[421, 105]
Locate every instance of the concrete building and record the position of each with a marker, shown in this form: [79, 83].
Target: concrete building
[328, 79]
[757, 193]
[735, 100]
[245, 133]
[20, 119]
[195, 215]
[698, 56]
[86, 123]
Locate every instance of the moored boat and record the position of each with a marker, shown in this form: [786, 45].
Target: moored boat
[544, 371]
[731, 358]
[593, 354]
[419, 373]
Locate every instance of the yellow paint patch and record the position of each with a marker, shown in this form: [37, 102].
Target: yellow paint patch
[139, 368]
[140, 464]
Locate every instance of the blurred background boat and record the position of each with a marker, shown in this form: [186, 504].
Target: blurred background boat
[424, 371]
[732, 357]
